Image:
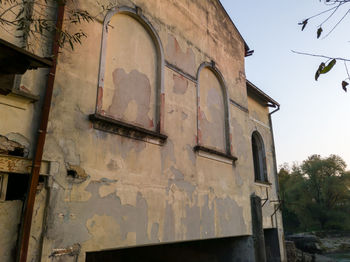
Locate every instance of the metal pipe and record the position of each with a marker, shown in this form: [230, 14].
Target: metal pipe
[24, 235]
[274, 150]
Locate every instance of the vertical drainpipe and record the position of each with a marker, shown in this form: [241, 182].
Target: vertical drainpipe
[24, 234]
[274, 150]
[275, 169]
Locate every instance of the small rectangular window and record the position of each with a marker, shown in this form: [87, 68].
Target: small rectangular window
[15, 186]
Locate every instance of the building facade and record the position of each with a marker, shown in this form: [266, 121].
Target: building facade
[157, 146]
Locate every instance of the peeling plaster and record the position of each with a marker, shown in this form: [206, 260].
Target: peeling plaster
[155, 233]
[185, 60]
[184, 116]
[132, 97]
[69, 149]
[191, 222]
[180, 84]
[179, 181]
[169, 224]
[191, 154]
[230, 216]
[207, 225]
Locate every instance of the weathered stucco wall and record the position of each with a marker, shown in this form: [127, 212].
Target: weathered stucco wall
[108, 191]
[136, 192]
[10, 214]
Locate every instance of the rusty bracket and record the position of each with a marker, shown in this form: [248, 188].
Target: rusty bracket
[266, 199]
[278, 207]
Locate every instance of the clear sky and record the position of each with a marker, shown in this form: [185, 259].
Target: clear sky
[314, 116]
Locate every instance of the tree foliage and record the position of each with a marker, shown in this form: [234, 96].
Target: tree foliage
[336, 10]
[34, 21]
[315, 195]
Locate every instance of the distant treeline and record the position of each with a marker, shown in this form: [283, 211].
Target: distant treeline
[315, 195]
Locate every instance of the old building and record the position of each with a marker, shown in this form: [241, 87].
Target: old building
[157, 147]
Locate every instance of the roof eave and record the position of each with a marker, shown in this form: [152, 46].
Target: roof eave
[261, 95]
[17, 60]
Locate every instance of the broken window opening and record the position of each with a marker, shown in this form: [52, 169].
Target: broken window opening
[259, 158]
[14, 186]
[17, 185]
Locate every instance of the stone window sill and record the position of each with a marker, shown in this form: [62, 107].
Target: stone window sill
[24, 95]
[215, 155]
[263, 183]
[114, 126]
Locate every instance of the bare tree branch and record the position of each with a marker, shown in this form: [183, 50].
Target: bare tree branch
[322, 56]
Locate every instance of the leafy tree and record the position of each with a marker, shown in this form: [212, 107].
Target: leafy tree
[337, 10]
[315, 194]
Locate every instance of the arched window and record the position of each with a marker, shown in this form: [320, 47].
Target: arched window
[259, 158]
[131, 76]
[213, 115]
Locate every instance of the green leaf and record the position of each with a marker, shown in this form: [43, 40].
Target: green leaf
[328, 67]
[318, 72]
[344, 84]
[319, 32]
[323, 69]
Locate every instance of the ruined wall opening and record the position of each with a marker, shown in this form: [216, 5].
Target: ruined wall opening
[259, 158]
[219, 250]
[12, 148]
[130, 81]
[272, 247]
[213, 119]
[14, 186]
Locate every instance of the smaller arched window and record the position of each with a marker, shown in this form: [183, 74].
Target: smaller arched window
[213, 115]
[259, 157]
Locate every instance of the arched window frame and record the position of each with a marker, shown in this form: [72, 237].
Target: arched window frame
[99, 115]
[260, 167]
[200, 146]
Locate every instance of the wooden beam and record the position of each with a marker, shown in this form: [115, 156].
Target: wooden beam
[20, 165]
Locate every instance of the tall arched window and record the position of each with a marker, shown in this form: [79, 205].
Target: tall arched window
[131, 76]
[259, 158]
[213, 115]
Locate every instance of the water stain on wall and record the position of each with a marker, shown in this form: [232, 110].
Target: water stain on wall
[132, 96]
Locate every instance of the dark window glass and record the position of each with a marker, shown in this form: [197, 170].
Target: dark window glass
[259, 158]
